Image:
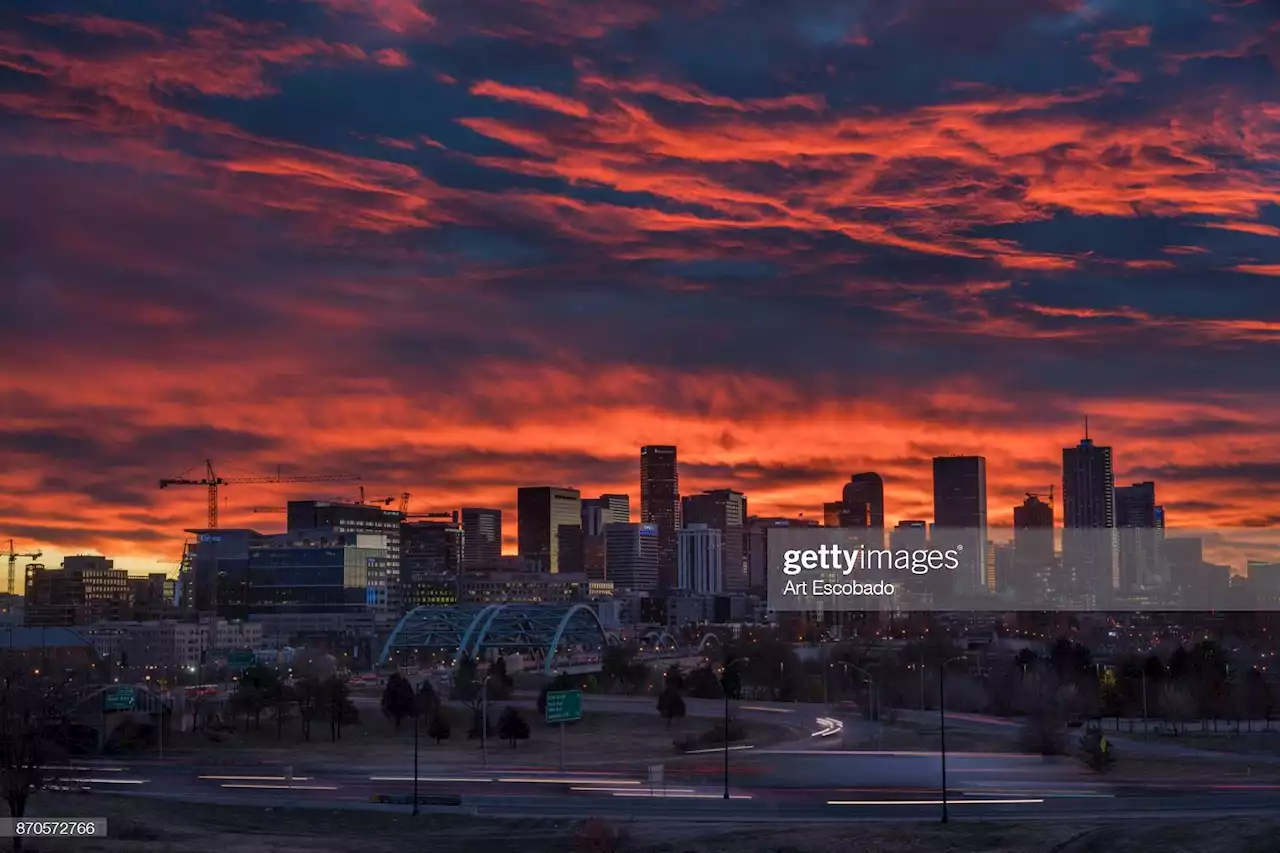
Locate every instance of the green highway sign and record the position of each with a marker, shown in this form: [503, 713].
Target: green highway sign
[241, 660]
[564, 706]
[118, 698]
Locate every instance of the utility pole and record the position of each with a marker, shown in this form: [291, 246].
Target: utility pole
[942, 726]
[725, 690]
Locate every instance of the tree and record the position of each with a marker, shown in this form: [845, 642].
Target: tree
[500, 683]
[671, 703]
[255, 692]
[310, 695]
[512, 726]
[703, 683]
[31, 710]
[337, 706]
[1177, 705]
[282, 699]
[675, 677]
[398, 699]
[426, 701]
[439, 729]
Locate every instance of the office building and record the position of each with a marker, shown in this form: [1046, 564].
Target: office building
[596, 513]
[863, 500]
[631, 556]
[724, 510]
[701, 559]
[910, 535]
[1089, 552]
[660, 504]
[1139, 529]
[431, 554]
[1034, 552]
[358, 518]
[960, 516]
[86, 589]
[757, 548]
[481, 536]
[832, 513]
[540, 513]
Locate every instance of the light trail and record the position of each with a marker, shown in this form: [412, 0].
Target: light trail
[933, 802]
[255, 778]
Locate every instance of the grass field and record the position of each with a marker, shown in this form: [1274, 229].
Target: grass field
[143, 826]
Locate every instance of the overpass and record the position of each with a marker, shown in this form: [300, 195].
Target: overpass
[561, 637]
[107, 707]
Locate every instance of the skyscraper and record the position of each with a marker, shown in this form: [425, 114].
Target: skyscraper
[481, 536]
[660, 505]
[1139, 522]
[702, 559]
[540, 513]
[1089, 519]
[724, 510]
[960, 516]
[631, 556]
[1033, 548]
[596, 514]
[864, 500]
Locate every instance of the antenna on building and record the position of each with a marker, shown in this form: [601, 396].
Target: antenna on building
[1086, 427]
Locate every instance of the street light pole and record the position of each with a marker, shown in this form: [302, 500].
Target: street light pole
[942, 726]
[484, 719]
[416, 714]
[725, 690]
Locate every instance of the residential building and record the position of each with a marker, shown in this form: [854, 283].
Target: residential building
[85, 589]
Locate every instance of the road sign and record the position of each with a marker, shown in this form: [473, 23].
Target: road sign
[564, 706]
[655, 775]
[241, 660]
[119, 698]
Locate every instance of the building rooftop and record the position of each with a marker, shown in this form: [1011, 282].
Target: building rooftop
[36, 638]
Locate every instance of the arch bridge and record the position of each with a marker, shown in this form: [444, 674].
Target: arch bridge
[547, 632]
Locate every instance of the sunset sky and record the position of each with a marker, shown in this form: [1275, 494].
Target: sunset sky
[458, 246]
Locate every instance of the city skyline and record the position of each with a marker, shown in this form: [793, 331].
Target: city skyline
[469, 249]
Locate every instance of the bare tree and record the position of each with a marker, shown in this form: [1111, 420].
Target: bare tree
[31, 714]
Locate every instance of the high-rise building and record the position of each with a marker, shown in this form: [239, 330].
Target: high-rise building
[431, 555]
[960, 516]
[910, 535]
[1033, 548]
[660, 504]
[863, 499]
[596, 513]
[701, 559]
[757, 548]
[358, 518]
[540, 513]
[832, 513]
[1089, 519]
[631, 556]
[1139, 524]
[481, 536]
[724, 510]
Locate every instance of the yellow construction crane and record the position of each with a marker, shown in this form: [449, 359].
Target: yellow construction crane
[13, 556]
[212, 481]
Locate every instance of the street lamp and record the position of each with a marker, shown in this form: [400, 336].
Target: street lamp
[484, 718]
[725, 690]
[942, 725]
[873, 695]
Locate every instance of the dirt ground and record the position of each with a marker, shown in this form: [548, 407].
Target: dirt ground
[142, 826]
[596, 738]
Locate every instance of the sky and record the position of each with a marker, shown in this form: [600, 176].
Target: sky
[458, 246]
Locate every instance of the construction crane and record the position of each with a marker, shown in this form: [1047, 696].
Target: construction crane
[1048, 495]
[13, 562]
[387, 501]
[212, 481]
